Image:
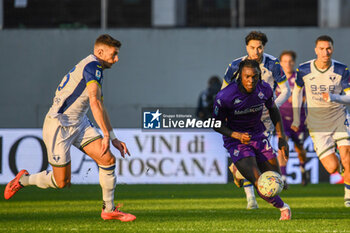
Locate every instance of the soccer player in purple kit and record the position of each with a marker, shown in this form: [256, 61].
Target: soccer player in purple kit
[272, 73]
[287, 61]
[239, 106]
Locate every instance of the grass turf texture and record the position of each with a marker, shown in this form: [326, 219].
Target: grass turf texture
[174, 208]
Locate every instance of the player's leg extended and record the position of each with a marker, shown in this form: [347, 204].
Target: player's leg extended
[251, 171]
[107, 178]
[276, 201]
[344, 152]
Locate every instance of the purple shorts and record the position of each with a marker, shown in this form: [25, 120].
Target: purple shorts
[260, 148]
[297, 137]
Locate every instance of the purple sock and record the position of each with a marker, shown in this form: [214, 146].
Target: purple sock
[283, 170]
[276, 201]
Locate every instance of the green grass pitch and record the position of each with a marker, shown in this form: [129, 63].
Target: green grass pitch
[174, 208]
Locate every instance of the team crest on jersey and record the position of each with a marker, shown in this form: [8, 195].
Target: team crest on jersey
[332, 78]
[261, 95]
[236, 152]
[237, 101]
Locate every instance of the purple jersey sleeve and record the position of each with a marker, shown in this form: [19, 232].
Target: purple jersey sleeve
[220, 111]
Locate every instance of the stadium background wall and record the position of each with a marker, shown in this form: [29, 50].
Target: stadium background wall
[157, 68]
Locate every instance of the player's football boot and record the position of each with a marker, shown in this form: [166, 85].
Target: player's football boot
[236, 181]
[286, 213]
[252, 204]
[347, 202]
[14, 185]
[117, 215]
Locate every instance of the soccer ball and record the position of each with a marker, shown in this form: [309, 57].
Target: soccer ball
[270, 184]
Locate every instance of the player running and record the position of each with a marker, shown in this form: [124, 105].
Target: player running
[326, 120]
[239, 106]
[66, 124]
[272, 74]
[287, 60]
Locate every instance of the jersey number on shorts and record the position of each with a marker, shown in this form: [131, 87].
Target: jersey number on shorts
[267, 144]
[66, 81]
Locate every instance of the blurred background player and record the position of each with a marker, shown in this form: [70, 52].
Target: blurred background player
[207, 97]
[66, 124]
[326, 120]
[239, 106]
[287, 61]
[273, 74]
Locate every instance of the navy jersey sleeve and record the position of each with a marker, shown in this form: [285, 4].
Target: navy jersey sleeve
[345, 80]
[93, 73]
[231, 70]
[299, 78]
[277, 72]
[220, 110]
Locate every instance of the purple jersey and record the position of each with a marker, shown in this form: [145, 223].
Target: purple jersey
[241, 112]
[286, 111]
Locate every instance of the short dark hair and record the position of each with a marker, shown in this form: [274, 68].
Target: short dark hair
[324, 38]
[246, 63]
[256, 35]
[108, 40]
[290, 53]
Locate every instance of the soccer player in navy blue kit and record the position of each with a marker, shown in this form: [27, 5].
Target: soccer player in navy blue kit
[239, 106]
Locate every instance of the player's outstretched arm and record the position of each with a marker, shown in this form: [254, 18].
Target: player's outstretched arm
[341, 99]
[285, 93]
[297, 100]
[277, 121]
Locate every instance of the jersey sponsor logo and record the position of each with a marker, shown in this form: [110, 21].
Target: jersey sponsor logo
[261, 95]
[237, 101]
[253, 109]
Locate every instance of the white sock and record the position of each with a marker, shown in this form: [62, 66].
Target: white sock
[248, 189]
[44, 180]
[347, 191]
[108, 183]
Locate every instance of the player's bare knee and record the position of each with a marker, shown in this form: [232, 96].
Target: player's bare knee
[108, 160]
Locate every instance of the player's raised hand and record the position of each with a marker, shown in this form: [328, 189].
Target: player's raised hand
[245, 138]
[104, 145]
[284, 148]
[121, 146]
